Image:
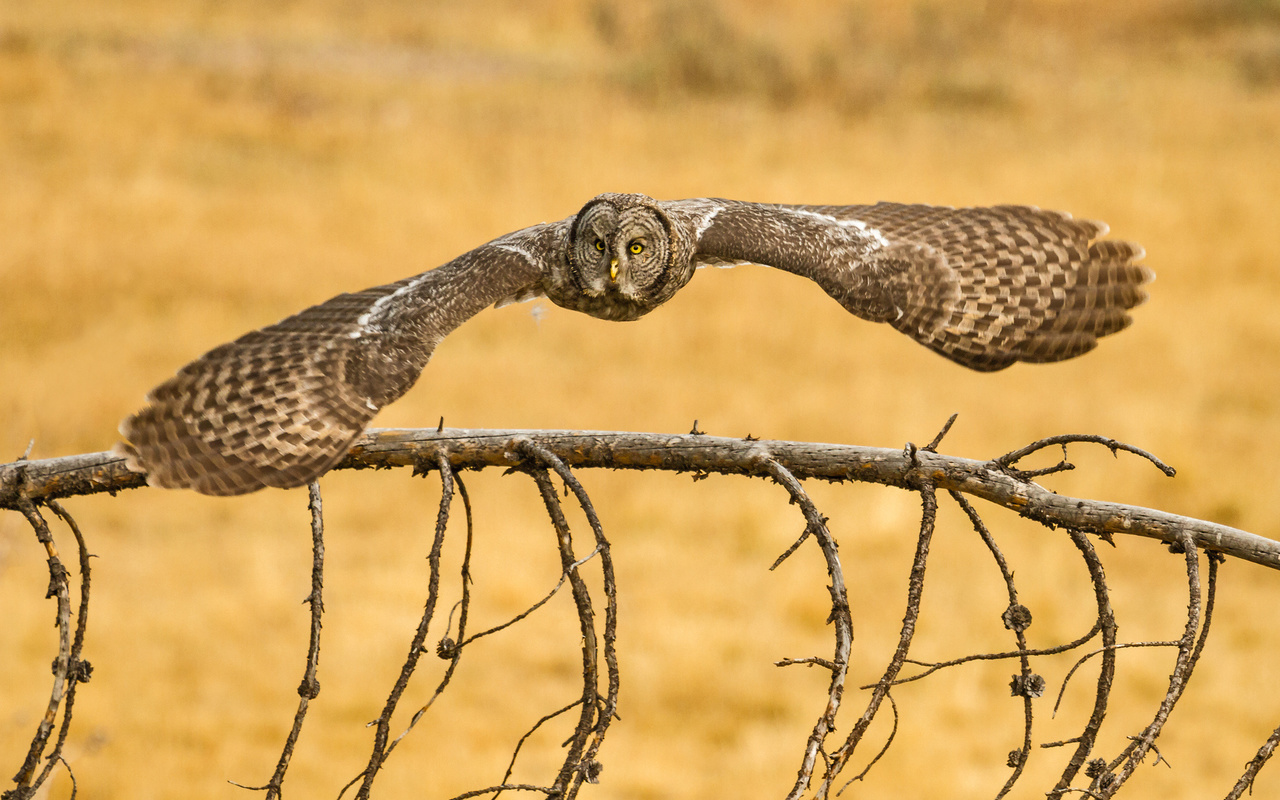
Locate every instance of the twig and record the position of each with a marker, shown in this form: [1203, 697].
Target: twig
[933, 667]
[446, 648]
[1256, 763]
[932, 446]
[915, 591]
[589, 768]
[512, 787]
[511, 765]
[888, 740]
[590, 644]
[1016, 618]
[27, 781]
[840, 616]
[78, 669]
[810, 662]
[1011, 458]
[564, 576]
[309, 688]
[383, 722]
[1080, 662]
[1106, 675]
[1187, 651]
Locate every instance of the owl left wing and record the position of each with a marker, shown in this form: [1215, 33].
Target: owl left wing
[281, 405]
[985, 287]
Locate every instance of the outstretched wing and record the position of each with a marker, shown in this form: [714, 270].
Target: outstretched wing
[985, 287]
[281, 405]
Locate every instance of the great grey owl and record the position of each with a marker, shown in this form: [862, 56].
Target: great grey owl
[984, 287]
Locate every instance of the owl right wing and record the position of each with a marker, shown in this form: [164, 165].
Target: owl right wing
[281, 405]
[985, 287]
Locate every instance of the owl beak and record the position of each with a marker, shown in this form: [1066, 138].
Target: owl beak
[613, 270]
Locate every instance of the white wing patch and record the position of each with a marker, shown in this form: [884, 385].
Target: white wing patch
[365, 321]
[720, 263]
[705, 222]
[874, 234]
[520, 251]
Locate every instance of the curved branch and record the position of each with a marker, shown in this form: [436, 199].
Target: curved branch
[1256, 763]
[381, 749]
[906, 634]
[588, 766]
[1009, 459]
[472, 449]
[1106, 675]
[840, 616]
[587, 720]
[309, 688]
[59, 582]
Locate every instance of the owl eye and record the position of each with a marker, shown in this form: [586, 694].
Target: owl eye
[600, 245]
[636, 248]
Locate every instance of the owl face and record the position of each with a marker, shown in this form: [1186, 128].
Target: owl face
[620, 263]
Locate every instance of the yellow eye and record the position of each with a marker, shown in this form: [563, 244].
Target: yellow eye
[636, 248]
[600, 245]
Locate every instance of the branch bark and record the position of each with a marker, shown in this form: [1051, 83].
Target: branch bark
[48, 479]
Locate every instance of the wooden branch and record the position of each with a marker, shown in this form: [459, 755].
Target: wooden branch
[48, 479]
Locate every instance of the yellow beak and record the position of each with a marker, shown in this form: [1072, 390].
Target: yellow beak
[613, 269]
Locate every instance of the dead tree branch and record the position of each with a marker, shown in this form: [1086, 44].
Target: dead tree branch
[1106, 675]
[545, 455]
[1245, 784]
[48, 479]
[816, 526]
[580, 764]
[67, 668]
[309, 689]
[381, 747]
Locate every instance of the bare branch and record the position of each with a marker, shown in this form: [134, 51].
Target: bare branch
[915, 591]
[1188, 652]
[27, 779]
[24, 485]
[1106, 675]
[840, 615]
[589, 768]
[573, 762]
[447, 648]
[508, 787]
[1256, 763]
[702, 454]
[310, 687]
[1016, 618]
[511, 765]
[1009, 459]
[1044, 651]
[78, 670]
[380, 749]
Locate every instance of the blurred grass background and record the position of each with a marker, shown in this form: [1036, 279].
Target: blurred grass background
[174, 174]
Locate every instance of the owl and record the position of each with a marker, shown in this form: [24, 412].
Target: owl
[984, 287]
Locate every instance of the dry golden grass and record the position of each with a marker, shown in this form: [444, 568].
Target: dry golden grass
[176, 174]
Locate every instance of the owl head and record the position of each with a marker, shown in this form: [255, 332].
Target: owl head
[624, 259]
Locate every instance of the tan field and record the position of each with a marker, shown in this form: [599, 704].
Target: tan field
[175, 174]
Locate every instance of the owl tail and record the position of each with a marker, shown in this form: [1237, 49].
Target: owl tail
[987, 287]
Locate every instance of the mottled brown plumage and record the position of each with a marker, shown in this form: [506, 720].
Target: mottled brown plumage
[985, 287]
